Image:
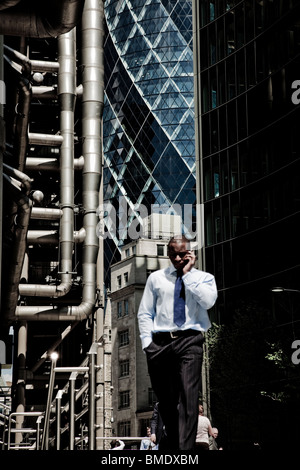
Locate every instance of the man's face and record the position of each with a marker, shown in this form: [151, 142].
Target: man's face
[177, 253]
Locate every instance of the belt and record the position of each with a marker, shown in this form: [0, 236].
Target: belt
[164, 337]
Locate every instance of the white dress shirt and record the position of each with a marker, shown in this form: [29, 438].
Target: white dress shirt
[156, 309]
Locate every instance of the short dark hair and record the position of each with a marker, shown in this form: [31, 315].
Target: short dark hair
[114, 443]
[178, 238]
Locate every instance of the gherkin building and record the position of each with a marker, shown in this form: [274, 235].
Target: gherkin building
[148, 119]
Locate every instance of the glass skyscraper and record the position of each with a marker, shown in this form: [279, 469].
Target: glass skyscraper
[249, 69]
[148, 123]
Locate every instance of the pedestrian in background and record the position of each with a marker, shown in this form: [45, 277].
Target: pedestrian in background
[204, 430]
[212, 440]
[147, 443]
[117, 444]
[158, 431]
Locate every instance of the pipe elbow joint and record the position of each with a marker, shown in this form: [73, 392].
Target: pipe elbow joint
[82, 311]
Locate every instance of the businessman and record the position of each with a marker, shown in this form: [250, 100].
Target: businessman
[172, 320]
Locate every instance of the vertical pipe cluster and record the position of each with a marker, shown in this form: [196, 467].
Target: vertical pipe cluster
[92, 109]
[67, 99]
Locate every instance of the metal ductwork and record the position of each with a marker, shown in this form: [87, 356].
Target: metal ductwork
[13, 275]
[36, 19]
[67, 87]
[92, 107]
[50, 163]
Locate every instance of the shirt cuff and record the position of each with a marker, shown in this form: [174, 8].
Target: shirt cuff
[146, 341]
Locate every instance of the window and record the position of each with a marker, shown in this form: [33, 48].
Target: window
[127, 252]
[143, 425]
[126, 278]
[123, 338]
[124, 399]
[119, 282]
[119, 309]
[160, 250]
[152, 399]
[124, 429]
[123, 308]
[126, 307]
[124, 368]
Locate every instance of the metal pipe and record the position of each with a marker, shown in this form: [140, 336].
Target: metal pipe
[44, 445]
[47, 213]
[58, 417]
[20, 176]
[44, 66]
[79, 369]
[22, 119]
[23, 106]
[38, 290]
[18, 251]
[38, 432]
[43, 237]
[92, 110]
[28, 66]
[11, 421]
[67, 96]
[41, 20]
[50, 237]
[21, 378]
[72, 381]
[14, 57]
[42, 92]
[35, 138]
[50, 163]
[92, 354]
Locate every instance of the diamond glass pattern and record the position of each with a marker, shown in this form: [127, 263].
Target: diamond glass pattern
[148, 122]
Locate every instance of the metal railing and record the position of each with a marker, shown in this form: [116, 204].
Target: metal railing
[26, 443]
[36, 437]
[4, 425]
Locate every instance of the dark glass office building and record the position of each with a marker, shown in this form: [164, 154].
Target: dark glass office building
[148, 121]
[248, 60]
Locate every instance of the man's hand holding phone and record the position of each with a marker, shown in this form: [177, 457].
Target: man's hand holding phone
[189, 261]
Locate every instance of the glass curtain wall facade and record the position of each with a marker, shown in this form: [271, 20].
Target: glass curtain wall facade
[149, 147]
[249, 68]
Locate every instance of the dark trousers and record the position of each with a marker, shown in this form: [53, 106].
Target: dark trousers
[175, 371]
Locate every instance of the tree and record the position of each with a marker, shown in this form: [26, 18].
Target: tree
[252, 377]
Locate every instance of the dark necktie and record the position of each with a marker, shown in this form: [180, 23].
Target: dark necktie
[179, 301]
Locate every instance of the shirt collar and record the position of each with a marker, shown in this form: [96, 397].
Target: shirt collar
[171, 269]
